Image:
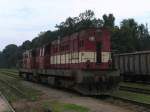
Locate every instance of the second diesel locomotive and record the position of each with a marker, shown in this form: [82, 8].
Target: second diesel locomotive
[80, 62]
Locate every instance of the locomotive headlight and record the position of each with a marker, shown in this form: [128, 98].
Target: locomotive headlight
[92, 38]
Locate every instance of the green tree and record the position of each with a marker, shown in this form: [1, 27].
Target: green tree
[26, 45]
[10, 54]
[2, 60]
[109, 20]
[144, 37]
[129, 36]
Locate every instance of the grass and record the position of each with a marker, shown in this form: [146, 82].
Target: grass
[10, 73]
[141, 98]
[32, 95]
[29, 94]
[13, 89]
[56, 106]
[10, 70]
[136, 85]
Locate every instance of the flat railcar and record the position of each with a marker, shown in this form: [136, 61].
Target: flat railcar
[80, 62]
[134, 66]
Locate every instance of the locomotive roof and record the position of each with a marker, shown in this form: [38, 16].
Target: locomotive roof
[133, 53]
[73, 35]
[67, 37]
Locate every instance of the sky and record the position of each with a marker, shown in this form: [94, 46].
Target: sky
[22, 20]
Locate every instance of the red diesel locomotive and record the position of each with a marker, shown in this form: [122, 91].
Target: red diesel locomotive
[80, 62]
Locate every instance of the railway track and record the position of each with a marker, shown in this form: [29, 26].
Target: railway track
[10, 85]
[12, 75]
[129, 92]
[10, 70]
[135, 87]
[137, 90]
[9, 90]
[132, 101]
[134, 93]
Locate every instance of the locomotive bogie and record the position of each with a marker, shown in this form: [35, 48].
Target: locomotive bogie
[84, 82]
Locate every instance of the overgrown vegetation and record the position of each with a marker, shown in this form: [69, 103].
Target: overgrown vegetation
[27, 99]
[136, 85]
[56, 106]
[129, 36]
[137, 97]
[12, 88]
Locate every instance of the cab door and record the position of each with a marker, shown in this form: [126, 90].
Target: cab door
[98, 52]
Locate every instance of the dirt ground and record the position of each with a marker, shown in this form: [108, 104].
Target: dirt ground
[3, 106]
[96, 105]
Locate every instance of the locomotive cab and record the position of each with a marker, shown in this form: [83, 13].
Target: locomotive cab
[43, 57]
[96, 49]
[29, 58]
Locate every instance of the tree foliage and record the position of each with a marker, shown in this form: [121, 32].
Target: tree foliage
[129, 36]
[10, 56]
[109, 21]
